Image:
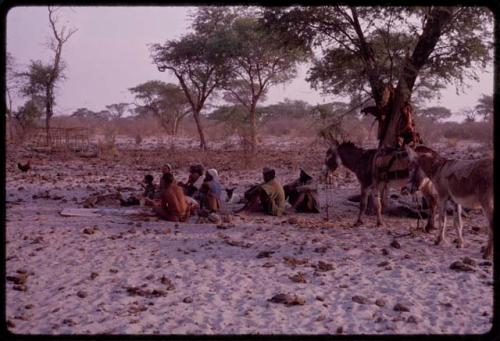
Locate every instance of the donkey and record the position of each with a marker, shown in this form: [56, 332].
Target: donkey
[468, 183]
[363, 162]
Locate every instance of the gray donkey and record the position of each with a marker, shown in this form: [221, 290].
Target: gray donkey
[366, 164]
[468, 183]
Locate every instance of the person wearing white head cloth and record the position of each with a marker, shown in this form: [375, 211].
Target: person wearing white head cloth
[211, 191]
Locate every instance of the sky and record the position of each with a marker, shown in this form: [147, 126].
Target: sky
[109, 54]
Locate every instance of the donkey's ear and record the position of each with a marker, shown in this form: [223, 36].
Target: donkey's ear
[332, 140]
[412, 155]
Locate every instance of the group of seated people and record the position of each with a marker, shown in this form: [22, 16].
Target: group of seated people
[177, 201]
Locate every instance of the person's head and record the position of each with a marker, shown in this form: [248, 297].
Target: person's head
[304, 177]
[195, 171]
[168, 178]
[268, 174]
[148, 178]
[166, 168]
[211, 174]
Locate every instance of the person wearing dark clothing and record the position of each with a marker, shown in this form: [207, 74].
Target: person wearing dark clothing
[302, 194]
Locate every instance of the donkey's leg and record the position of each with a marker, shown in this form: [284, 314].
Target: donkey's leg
[431, 203]
[458, 225]
[385, 197]
[378, 205]
[488, 212]
[362, 205]
[442, 220]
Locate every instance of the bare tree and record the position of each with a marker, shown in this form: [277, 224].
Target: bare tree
[41, 79]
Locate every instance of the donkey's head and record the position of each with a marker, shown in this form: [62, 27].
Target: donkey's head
[332, 160]
[416, 179]
[420, 159]
[229, 193]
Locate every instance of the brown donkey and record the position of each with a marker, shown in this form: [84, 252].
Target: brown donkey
[468, 183]
[364, 163]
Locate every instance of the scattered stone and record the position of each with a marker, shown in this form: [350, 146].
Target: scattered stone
[320, 298]
[167, 282]
[10, 324]
[447, 304]
[93, 275]
[320, 318]
[469, 261]
[20, 287]
[113, 271]
[132, 291]
[295, 261]
[395, 244]
[385, 252]
[486, 263]
[411, 319]
[69, 322]
[265, 254]
[380, 302]
[81, 294]
[459, 266]
[287, 299]
[298, 278]
[360, 299]
[340, 330]
[400, 307]
[28, 306]
[149, 277]
[187, 300]
[88, 231]
[321, 249]
[384, 263]
[292, 220]
[20, 279]
[238, 243]
[267, 265]
[322, 266]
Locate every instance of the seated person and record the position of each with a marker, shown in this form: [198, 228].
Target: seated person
[210, 193]
[194, 182]
[302, 194]
[173, 206]
[166, 169]
[149, 192]
[269, 195]
[149, 187]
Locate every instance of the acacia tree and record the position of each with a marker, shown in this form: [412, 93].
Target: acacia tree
[258, 62]
[367, 50]
[117, 110]
[435, 113]
[11, 85]
[485, 107]
[199, 61]
[166, 101]
[41, 79]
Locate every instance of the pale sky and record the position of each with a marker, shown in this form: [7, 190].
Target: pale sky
[109, 54]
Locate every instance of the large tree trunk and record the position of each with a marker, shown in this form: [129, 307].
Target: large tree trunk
[48, 114]
[439, 17]
[196, 115]
[175, 125]
[253, 131]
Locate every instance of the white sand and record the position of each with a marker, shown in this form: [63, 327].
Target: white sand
[220, 285]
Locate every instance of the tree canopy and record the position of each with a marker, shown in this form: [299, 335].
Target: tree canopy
[166, 101]
[364, 49]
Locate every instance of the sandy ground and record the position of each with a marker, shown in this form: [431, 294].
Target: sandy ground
[119, 274]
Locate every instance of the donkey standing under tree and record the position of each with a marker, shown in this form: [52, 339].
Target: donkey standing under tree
[363, 163]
